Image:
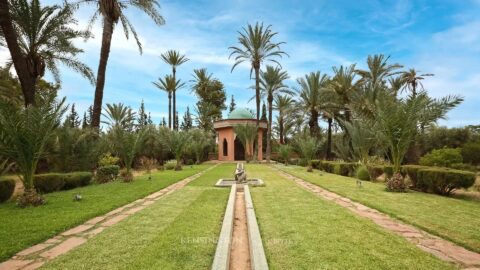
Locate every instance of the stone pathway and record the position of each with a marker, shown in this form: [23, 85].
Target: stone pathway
[441, 248]
[35, 256]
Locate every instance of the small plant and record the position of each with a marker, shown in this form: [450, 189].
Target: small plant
[362, 173]
[284, 151]
[107, 160]
[126, 175]
[307, 147]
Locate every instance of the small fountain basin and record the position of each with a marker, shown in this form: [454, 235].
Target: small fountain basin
[229, 182]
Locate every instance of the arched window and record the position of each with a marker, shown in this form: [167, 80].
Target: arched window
[225, 147]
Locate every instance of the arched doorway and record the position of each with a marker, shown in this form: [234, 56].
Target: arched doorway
[239, 153]
[225, 147]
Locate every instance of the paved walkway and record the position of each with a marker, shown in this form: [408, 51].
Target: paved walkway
[37, 255]
[441, 248]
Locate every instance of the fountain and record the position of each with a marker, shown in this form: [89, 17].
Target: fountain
[240, 177]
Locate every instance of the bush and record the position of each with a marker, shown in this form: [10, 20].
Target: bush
[338, 167]
[443, 181]
[108, 160]
[302, 162]
[442, 157]
[77, 179]
[189, 162]
[126, 175]
[412, 172]
[316, 164]
[471, 153]
[170, 165]
[464, 167]
[49, 182]
[107, 173]
[7, 187]
[388, 170]
[362, 173]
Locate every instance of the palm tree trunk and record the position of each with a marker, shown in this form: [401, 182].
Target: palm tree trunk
[19, 62]
[329, 140]
[102, 68]
[257, 101]
[313, 123]
[170, 111]
[174, 113]
[269, 128]
[280, 127]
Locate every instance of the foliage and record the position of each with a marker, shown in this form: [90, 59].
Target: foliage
[107, 173]
[107, 160]
[412, 172]
[170, 165]
[307, 146]
[177, 142]
[119, 115]
[187, 122]
[24, 132]
[125, 144]
[284, 151]
[443, 181]
[232, 105]
[201, 141]
[445, 157]
[7, 187]
[169, 85]
[471, 153]
[362, 173]
[247, 134]
[72, 119]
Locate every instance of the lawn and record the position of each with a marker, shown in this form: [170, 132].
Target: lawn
[21, 228]
[450, 218]
[302, 231]
[177, 232]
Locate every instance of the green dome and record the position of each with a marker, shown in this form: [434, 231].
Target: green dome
[241, 113]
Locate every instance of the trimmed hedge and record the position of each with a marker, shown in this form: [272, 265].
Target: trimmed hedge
[412, 172]
[51, 182]
[375, 171]
[336, 167]
[107, 173]
[443, 181]
[362, 173]
[7, 187]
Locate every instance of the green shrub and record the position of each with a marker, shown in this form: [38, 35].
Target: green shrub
[443, 181]
[77, 179]
[362, 173]
[338, 167]
[316, 164]
[327, 166]
[170, 165]
[189, 162]
[412, 172]
[375, 171]
[442, 157]
[49, 182]
[388, 170]
[302, 162]
[107, 173]
[471, 153]
[107, 160]
[7, 187]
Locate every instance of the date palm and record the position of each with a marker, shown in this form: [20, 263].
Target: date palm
[113, 11]
[312, 95]
[412, 79]
[45, 38]
[169, 85]
[345, 85]
[283, 104]
[271, 85]
[256, 47]
[307, 146]
[174, 59]
[119, 115]
[126, 145]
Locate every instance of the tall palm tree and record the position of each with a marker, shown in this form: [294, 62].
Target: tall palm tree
[271, 84]
[396, 84]
[345, 85]
[256, 47]
[119, 115]
[313, 88]
[283, 105]
[45, 38]
[412, 80]
[169, 85]
[174, 59]
[113, 11]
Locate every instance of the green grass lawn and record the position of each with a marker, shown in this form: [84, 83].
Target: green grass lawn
[21, 228]
[454, 219]
[177, 232]
[301, 231]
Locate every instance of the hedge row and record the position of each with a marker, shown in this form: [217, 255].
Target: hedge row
[7, 187]
[107, 173]
[428, 179]
[51, 182]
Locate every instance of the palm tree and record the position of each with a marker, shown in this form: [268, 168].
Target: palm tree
[201, 140]
[247, 134]
[412, 80]
[126, 144]
[174, 59]
[283, 104]
[256, 47]
[284, 151]
[396, 84]
[169, 85]
[345, 85]
[45, 38]
[119, 115]
[271, 83]
[113, 11]
[312, 97]
[24, 133]
[177, 142]
[378, 70]
[307, 146]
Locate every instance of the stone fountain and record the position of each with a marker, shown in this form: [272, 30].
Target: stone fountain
[240, 177]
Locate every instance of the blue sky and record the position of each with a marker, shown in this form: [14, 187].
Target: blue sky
[440, 37]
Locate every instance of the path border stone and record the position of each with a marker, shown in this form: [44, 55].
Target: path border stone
[35, 256]
[221, 261]
[439, 247]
